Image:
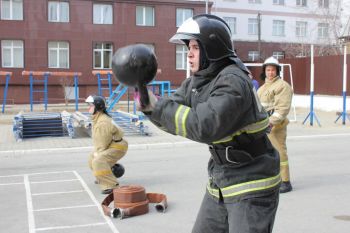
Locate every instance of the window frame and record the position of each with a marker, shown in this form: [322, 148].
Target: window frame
[301, 3]
[276, 28]
[277, 54]
[254, 1]
[300, 26]
[183, 53]
[323, 4]
[103, 17]
[102, 51]
[11, 8]
[279, 2]
[183, 15]
[253, 26]
[252, 54]
[58, 49]
[232, 23]
[144, 14]
[12, 54]
[58, 11]
[323, 29]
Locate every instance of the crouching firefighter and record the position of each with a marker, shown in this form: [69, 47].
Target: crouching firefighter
[218, 106]
[109, 146]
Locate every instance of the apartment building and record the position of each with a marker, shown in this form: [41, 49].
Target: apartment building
[82, 35]
[282, 28]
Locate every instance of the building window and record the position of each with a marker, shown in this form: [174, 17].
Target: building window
[58, 54]
[301, 29]
[182, 14]
[278, 55]
[253, 55]
[301, 2]
[144, 16]
[254, 1]
[278, 28]
[278, 2]
[231, 21]
[181, 57]
[253, 26]
[58, 11]
[12, 9]
[322, 30]
[103, 14]
[12, 53]
[323, 3]
[103, 55]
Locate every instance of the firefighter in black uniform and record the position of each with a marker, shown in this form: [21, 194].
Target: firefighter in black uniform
[218, 106]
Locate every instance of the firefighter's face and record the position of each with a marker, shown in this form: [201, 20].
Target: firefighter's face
[193, 55]
[91, 108]
[270, 72]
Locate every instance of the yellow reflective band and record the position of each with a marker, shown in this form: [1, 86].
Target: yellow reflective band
[249, 129]
[251, 186]
[120, 147]
[180, 118]
[213, 192]
[177, 119]
[102, 172]
[285, 163]
[184, 118]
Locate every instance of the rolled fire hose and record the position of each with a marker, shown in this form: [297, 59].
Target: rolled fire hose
[132, 201]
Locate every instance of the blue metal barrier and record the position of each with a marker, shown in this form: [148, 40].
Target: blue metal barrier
[43, 81]
[101, 82]
[116, 96]
[7, 75]
[163, 87]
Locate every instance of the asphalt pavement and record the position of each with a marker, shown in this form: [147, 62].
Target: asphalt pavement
[46, 186]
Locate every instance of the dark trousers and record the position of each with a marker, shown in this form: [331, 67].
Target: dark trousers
[253, 215]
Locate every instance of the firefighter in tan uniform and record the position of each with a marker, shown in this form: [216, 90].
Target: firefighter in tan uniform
[276, 97]
[109, 145]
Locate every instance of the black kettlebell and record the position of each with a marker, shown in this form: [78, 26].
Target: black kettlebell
[118, 170]
[135, 66]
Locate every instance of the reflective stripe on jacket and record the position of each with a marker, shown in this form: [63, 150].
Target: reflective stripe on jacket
[221, 107]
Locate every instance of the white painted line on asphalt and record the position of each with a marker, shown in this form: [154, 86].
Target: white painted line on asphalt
[69, 227]
[80, 149]
[31, 222]
[53, 181]
[319, 136]
[108, 220]
[37, 173]
[66, 207]
[11, 184]
[54, 193]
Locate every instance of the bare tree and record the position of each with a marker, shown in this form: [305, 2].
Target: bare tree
[329, 13]
[67, 88]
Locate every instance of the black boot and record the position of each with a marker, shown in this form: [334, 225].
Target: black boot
[286, 187]
[107, 191]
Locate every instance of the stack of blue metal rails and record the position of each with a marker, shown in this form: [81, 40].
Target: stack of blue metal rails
[32, 125]
[130, 123]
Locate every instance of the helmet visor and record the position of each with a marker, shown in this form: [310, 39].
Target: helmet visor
[179, 38]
